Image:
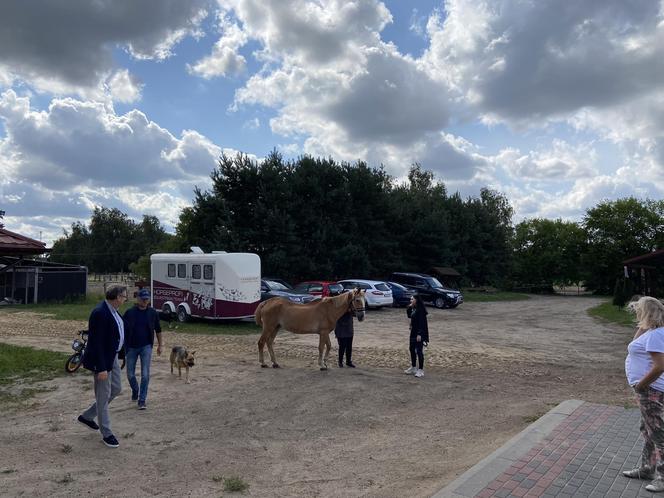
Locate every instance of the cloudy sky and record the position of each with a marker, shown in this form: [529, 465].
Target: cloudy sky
[128, 104]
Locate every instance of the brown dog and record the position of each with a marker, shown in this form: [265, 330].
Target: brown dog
[180, 357]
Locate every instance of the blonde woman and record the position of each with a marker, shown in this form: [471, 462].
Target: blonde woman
[644, 367]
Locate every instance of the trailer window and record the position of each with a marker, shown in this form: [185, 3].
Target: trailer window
[171, 270]
[182, 270]
[196, 272]
[208, 272]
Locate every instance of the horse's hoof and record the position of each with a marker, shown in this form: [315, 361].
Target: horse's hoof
[263, 365]
[275, 365]
[322, 369]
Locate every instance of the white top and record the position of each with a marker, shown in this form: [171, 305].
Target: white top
[120, 322]
[639, 362]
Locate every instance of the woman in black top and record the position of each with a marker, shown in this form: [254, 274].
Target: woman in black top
[344, 332]
[419, 334]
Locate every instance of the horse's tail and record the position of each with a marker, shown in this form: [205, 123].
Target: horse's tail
[259, 310]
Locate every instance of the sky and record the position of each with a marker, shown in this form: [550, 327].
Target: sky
[559, 105]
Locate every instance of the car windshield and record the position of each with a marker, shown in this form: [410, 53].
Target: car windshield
[382, 287]
[276, 285]
[394, 285]
[433, 282]
[335, 288]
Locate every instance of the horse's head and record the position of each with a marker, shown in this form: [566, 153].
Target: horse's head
[356, 304]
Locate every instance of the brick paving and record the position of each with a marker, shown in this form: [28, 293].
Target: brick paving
[582, 456]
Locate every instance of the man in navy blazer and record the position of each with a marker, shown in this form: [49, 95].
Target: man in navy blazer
[105, 341]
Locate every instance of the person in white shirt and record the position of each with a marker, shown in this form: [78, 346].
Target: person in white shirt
[644, 367]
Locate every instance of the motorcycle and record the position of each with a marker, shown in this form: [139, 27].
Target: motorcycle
[78, 345]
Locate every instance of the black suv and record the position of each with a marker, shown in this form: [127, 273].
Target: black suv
[429, 288]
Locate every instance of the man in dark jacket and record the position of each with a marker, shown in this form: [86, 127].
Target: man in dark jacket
[141, 325]
[105, 340]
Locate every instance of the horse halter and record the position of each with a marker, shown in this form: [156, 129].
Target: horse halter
[353, 309]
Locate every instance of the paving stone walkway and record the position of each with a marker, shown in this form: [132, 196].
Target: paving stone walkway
[578, 449]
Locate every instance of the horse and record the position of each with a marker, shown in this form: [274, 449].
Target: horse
[316, 317]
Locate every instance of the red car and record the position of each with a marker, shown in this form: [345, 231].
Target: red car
[321, 288]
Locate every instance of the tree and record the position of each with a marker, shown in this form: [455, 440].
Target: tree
[617, 230]
[548, 252]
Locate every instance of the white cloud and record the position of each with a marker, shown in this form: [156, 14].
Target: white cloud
[124, 87]
[224, 59]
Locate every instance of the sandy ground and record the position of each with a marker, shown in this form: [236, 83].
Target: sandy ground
[491, 369]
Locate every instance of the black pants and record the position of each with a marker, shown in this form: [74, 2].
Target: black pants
[417, 348]
[345, 347]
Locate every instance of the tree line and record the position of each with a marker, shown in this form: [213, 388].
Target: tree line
[314, 218]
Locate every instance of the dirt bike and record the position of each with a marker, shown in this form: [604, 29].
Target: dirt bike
[78, 345]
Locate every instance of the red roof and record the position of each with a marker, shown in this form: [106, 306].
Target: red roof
[13, 243]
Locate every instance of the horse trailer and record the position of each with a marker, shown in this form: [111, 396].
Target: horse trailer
[216, 285]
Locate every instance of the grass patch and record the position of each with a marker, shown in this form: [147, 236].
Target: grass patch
[484, 297]
[80, 310]
[607, 311]
[21, 366]
[29, 364]
[77, 310]
[235, 485]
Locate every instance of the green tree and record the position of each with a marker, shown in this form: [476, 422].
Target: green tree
[617, 230]
[548, 252]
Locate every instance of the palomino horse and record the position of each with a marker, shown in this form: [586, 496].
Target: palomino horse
[317, 317]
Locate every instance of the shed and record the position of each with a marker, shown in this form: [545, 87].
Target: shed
[448, 276]
[646, 272]
[33, 280]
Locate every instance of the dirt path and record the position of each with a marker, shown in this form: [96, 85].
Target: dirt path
[491, 369]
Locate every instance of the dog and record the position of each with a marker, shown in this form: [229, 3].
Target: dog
[180, 357]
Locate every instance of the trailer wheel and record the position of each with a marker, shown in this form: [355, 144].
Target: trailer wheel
[183, 316]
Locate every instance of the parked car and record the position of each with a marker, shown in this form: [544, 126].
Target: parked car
[431, 290]
[320, 288]
[376, 293]
[400, 294]
[274, 288]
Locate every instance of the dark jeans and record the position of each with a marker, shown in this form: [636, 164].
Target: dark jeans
[145, 354]
[345, 347]
[417, 349]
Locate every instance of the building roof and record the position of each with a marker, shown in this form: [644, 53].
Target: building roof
[14, 244]
[654, 258]
[445, 271]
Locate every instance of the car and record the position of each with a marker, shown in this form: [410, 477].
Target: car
[320, 288]
[430, 288]
[274, 288]
[400, 294]
[376, 292]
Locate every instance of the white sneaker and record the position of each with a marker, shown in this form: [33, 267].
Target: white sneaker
[419, 373]
[410, 371]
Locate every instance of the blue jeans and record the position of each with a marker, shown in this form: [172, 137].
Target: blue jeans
[145, 353]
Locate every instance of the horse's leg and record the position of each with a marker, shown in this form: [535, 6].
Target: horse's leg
[270, 350]
[328, 346]
[321, 345]
[261, 345]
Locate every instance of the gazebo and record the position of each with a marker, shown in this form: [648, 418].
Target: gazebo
[644, 272]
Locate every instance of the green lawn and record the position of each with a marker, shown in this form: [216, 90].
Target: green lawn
[20, 367]
[483, 297]
[611, 313]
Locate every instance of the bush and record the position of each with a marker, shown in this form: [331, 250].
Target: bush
[622, 292]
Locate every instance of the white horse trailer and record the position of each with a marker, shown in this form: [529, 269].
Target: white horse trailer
[206, 285]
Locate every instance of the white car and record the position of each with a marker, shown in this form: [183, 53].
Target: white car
[376, 292]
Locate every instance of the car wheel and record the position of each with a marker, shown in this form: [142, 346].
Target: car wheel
[439, 303]
[183, 316]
